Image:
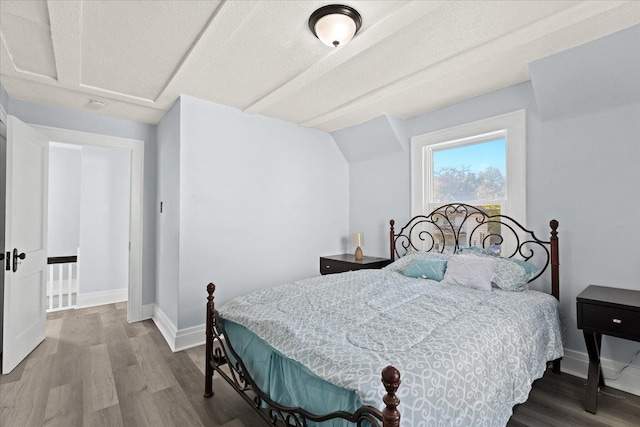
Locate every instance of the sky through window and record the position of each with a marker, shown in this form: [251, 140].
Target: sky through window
[477, 157]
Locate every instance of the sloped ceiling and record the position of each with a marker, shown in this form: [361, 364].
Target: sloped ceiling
[602, 74]
[410, 57]
[369, 140]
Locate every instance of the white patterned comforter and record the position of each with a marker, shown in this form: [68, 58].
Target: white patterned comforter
[466, 356]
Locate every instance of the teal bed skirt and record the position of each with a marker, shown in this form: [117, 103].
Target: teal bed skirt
[288, 382]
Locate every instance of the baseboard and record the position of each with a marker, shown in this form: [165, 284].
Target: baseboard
[165, 326]
[147, 311]
[181, 339]
[190, 337]
[577, 363]
[100, 298]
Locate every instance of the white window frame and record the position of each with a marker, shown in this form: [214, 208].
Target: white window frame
[511, 126]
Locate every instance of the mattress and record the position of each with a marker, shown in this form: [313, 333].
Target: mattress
[466, 356]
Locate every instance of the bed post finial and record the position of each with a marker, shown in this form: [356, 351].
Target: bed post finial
[211, 288]
[208, 371]
[392, 254]
[391, 381]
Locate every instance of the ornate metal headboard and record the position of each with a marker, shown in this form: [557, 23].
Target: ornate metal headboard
[457, 225]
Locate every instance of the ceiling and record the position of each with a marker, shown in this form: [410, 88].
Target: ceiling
[409, 57]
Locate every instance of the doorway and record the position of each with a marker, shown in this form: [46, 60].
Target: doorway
[88, 226]
[135, 149]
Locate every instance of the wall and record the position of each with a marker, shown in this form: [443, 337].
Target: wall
[582, 169]
[595, 160]
[104, 219]
[45, 115]
[379, 145]
[63, 229]
[260, 200]
[168, 222]
[380, 191]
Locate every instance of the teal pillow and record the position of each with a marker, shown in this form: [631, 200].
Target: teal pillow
[426, 268]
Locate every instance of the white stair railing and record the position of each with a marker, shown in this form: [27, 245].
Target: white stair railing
[65, 285]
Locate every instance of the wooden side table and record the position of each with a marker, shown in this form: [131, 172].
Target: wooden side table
[608, 311]
[347, 262]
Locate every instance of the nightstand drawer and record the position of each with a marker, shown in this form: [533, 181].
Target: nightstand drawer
[611, 320]
[328, 266]
[348, 262]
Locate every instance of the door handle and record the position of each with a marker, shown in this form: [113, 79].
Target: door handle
[17, 256]
[8, 261]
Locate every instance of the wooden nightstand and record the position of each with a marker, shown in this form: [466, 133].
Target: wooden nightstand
[347, 262]
[608, 311]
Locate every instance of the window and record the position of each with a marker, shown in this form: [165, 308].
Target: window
[481, 163]
[473, 172]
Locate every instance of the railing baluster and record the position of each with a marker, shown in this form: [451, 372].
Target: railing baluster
[77, 273]
[59, 285]
[69, 281]
[50, 286]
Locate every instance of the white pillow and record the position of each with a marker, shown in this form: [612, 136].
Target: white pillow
[470, 271]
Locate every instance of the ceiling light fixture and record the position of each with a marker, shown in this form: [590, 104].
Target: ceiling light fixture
[335, 24]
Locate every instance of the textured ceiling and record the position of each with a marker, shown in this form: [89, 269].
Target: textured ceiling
[409, 57]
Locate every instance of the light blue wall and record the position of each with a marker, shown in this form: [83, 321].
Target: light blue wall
[260, 200]
[583, 168]
[104, 232]
[168, 222]
[45, 115]
[65, 176]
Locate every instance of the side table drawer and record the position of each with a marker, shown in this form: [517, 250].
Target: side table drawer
[348, 262]
[611, 320]
[329, 266]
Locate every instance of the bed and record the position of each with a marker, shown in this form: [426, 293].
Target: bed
[315, 352]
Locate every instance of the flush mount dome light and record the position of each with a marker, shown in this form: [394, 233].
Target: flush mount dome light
[335, 24]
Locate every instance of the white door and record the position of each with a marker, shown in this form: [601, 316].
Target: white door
[27, 165]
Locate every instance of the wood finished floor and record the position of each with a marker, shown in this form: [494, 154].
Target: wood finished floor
[95, 369]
